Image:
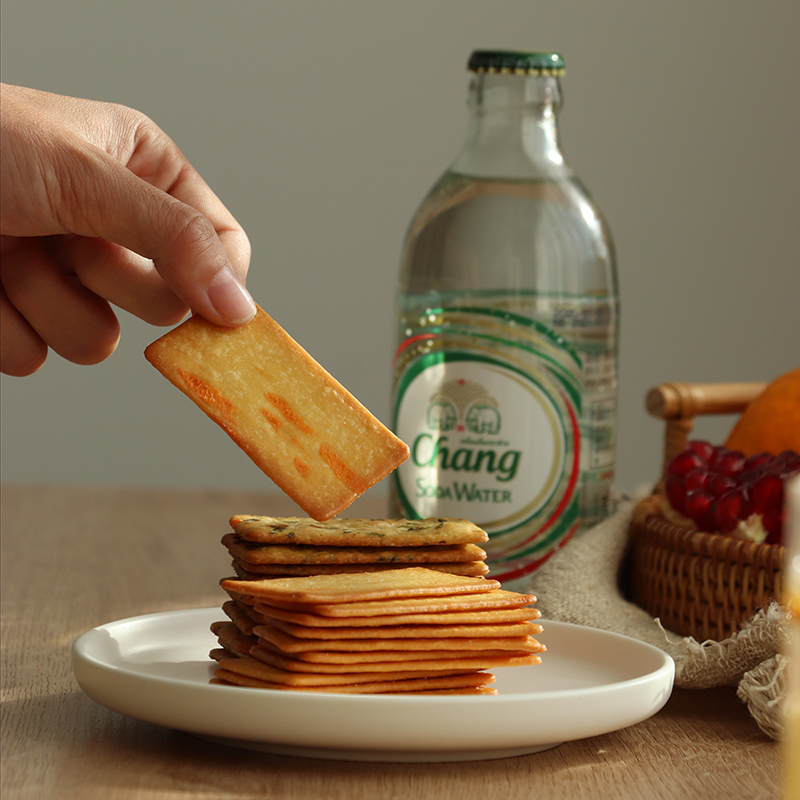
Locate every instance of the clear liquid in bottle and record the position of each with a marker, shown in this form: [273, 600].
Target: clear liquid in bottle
[505, 376]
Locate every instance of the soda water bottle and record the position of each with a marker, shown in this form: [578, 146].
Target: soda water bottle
[505, 375]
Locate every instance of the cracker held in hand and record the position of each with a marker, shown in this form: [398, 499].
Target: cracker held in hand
[295, 421]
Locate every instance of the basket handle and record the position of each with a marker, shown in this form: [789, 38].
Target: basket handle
[679, 403]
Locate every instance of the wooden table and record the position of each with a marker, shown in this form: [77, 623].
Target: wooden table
[75, 558]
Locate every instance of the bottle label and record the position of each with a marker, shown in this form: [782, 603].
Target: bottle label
[492, 423]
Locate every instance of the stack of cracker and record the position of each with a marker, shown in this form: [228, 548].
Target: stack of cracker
[398, 631]
[265, 547]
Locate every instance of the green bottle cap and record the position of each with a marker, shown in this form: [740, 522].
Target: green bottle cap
[507, 62]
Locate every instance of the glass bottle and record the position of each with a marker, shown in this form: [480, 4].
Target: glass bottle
[505, 376]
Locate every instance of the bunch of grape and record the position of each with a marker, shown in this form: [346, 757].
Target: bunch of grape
[723, 491]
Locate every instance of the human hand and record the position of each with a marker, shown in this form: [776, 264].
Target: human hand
[99, 206]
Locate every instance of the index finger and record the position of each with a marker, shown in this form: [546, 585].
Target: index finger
[158, 160]
[203, 259]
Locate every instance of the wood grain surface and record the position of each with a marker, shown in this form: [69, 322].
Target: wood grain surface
[75, 558]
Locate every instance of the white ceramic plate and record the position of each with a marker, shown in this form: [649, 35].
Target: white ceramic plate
[156, 668]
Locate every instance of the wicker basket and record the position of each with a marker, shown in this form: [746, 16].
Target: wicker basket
[698, 584]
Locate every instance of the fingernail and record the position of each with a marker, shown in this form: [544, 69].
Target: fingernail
[230, 298]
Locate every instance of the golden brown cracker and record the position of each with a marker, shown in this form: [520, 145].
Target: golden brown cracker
[477, 617]
[483, 601]
[295, 645]
[302, 554]
[296, 422]
[443, 664]
[407, 631]
[254, 668]
[222, 653]
[473, 690]
[232, 638]
[388, 656]
[256, 572]
[358, 532]
[244, 599]
[238, 616]
[473, 683]
[361, 586]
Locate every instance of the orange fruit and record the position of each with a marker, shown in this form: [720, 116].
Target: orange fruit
[771, 422]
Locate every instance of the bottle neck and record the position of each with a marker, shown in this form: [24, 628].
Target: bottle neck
[513, 129]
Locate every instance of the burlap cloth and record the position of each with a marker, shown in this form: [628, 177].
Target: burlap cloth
[581, 584]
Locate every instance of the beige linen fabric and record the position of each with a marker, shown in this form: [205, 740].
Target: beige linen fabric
[581, 584]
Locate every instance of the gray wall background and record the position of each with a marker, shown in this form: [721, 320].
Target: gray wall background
[322, 124]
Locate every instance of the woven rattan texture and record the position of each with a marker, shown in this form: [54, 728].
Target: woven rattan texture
[698, 584]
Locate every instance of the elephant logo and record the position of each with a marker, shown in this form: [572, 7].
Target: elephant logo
[483, 419]
[465, 406]
[442, 416]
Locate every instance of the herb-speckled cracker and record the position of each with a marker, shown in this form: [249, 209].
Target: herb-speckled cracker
[257, 553]
[358, 532]
[254, 572]
[298, 424]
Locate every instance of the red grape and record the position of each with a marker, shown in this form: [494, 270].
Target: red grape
[685, 461]
[675, 491]
[758, 460]
[695, 479]
[789, 459]
[772, 520]
[766, 493]
[704, 449]
[728, 462]
[697, 505]
[719, 488]
[729, 508]
[719, 484]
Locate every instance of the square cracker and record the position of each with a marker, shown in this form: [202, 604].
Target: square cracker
[296, 422]
[493, 600]
[472, 683]
[426, 692]
[477, 617]
[442, 663]
[256, 572]
[254, 668]
[269, 635]
[389, 656]
[407, 631]
[239, 617]
[358, 532]
[221, 654]
[258, 553]
[232, 638]
[359, 586]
